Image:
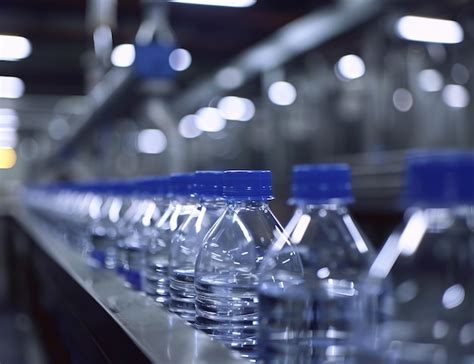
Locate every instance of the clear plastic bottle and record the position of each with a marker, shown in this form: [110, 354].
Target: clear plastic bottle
[157, 253]
[101, 250]
[310, 318]
[429, 263]
[80, 215]
[226, 276]
[108, 212]
[188, 239]
[142, 212]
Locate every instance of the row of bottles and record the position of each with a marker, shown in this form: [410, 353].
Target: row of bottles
[207, 247]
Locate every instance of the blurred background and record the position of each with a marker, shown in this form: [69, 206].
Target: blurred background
[108, 88]
[124, 88]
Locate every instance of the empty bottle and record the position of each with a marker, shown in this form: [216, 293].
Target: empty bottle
[180, 205]
[188, 239]
[309, 318]
[226, 276]
[429, 262]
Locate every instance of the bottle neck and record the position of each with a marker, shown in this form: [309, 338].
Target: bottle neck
[310, 208]
[251, 204]
[211, 201]
[184, 199]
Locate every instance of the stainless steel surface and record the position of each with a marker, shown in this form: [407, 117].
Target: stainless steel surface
[163, 337]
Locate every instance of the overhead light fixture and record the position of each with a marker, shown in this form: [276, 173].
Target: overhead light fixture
[209, 119]
[429, 30]
[11, 87]
[180, 59]
[187, 127]
[123, 55]
[8, 138]
[8, 119]
[14, 48]
[227, 3]
[236, 108]
[282, 93]
[430, 80]
[350, 67]
[456, 96]
[151, 141]
[7, 158]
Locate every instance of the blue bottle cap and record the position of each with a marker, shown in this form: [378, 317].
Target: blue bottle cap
[439, 178]
[247, 185]
[123, 188]
[209, 183]
[182, 184]
[100, 187]
[322, 184]
[152, 186]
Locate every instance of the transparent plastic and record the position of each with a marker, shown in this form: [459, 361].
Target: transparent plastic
[156, 278]
[429, 318]
[227, 277]
[131, 246]
[309, 318]
[108, 212]
[184, 250]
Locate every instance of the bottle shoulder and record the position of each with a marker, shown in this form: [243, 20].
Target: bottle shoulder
[329, 237]
[254, 224]
[239, 239]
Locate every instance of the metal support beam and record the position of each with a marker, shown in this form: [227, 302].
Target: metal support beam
[101, 102]
[290, 41]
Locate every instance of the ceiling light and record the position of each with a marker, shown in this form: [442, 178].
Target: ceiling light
[429, 30]
[180, 59]
[228, 3]
[430, 80]
[7, 158]
[282, 93]
[11, 87]
[350, 67]
[14, 48]
[8, 138]
[236, 108]
[456, 96]
[151, 141]
[123, 55]
[8, 119]
[209, 119]
[187, 127]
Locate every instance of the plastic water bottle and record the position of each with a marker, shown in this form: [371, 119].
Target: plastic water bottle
[143, 211]
[430, 264]
[101, 251]
[309, 319]
[157, 253]
[189, 238]
[109, 212]
[226, 277]
[79, 219]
